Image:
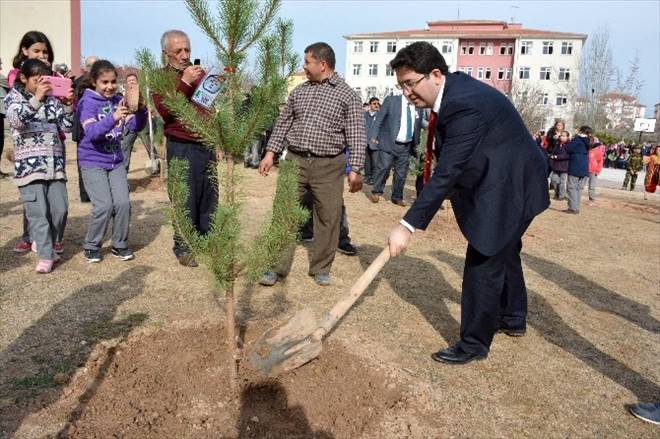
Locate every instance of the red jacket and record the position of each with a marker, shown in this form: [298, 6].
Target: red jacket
[174, 128]
[596, 159]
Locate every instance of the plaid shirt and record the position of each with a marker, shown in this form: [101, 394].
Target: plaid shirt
[322, 118]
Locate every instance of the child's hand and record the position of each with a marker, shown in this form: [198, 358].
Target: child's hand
[121, 111]
[43, 87]
[68, 99]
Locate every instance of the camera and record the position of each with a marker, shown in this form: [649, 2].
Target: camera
[61, 68]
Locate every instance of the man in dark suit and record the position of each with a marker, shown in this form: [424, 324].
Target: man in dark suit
[495, 176]
[396, 132]
[371, 159]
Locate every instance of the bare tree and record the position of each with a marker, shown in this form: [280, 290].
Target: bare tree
[597, 73]
[632, 84]
[528, 100]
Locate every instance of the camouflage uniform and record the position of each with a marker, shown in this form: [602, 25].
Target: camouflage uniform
[633, 166]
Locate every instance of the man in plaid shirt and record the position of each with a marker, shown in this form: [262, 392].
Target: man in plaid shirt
[322, 117]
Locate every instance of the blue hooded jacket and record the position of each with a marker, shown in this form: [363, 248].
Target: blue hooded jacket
[578, 151]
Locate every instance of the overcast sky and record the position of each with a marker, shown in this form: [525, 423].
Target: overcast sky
[114, 29]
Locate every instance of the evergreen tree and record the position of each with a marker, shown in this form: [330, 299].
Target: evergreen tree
[238, 116]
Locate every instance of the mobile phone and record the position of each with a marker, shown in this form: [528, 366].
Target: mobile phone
[59, 87]
[196, 62]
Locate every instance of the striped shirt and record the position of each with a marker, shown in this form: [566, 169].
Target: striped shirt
[321, 119]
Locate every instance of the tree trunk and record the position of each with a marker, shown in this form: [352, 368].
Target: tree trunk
[231, 337]
[229, 294]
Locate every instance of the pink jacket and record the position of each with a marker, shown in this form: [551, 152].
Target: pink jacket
[596, 159]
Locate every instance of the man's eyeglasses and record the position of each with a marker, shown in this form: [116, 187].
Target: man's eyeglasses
[409, 85]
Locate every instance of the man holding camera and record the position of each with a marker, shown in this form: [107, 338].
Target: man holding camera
[181, 144]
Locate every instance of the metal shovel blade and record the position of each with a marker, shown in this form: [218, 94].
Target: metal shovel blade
[288, 346]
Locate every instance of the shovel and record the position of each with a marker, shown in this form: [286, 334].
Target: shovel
[298, 341]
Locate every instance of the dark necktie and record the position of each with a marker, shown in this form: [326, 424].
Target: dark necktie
[428, 156]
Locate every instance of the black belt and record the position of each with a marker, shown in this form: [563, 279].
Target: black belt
[403, 143]
[178, 140]
[308, 154]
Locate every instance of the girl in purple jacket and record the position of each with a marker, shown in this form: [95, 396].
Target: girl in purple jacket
[103, 115]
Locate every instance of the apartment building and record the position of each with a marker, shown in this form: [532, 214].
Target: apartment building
[505, 55]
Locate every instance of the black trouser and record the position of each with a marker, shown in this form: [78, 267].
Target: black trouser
[202, 192]
[2, 128]
[494, 295]
[370, 163]
[307, 229]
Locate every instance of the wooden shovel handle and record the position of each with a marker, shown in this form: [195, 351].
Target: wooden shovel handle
[331, 318]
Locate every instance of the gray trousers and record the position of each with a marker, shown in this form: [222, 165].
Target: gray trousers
[46, 206]
[558, 183]
[593, 182]
[108, 191]
[575, 186]
[397, 160]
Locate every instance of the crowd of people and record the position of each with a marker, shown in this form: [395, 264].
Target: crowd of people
[565, 162]
[497, 184]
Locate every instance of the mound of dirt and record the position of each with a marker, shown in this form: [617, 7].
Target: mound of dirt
[174, 383]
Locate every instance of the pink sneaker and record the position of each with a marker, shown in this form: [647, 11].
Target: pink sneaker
[22, 247]
[44, 266]
[58, 247]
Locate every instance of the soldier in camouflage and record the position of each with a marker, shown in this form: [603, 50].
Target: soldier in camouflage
[633, 166]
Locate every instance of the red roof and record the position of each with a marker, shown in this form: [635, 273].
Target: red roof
[470, 29]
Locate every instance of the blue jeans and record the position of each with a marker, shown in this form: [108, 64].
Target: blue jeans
[397, 160]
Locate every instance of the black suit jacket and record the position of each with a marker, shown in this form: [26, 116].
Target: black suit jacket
[488, 166]
[388, 121]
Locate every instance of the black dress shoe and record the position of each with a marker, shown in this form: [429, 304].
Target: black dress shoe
[456, 355]
[513, 332]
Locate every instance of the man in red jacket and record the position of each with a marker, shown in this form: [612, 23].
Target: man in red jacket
[181, 144]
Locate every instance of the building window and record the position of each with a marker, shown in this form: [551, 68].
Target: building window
[566, 48]
[506, 49]
[480, 73]
[471, 49]
[389, 91]
[357, 69]
[526, 48]
[371, 92]
[564, 74]
[373, 46]
[523, 73]
[357, 46]
[373, 69]
[391, 46]
[489, 49]
[482, 49]
[561, 100]
[468, 70]
[487, 73]
[500, 73]
[358, 90]
[388, 70]
[544, 99]
[447, 47]
[545, 73]
[547, 47]
[463, 49]
[507, 73]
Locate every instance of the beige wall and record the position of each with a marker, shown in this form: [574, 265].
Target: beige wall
[52, 17]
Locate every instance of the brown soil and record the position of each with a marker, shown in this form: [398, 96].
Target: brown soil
[174, 383]
[134, 349]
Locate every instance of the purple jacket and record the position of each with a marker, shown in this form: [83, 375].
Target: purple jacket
[560, 164]
[100, 140]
